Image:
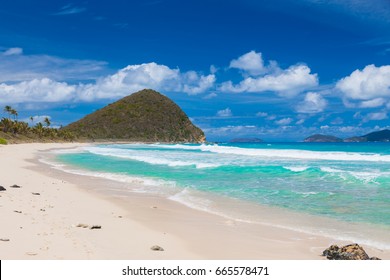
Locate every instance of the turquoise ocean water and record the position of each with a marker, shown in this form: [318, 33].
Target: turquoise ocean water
[348, 182]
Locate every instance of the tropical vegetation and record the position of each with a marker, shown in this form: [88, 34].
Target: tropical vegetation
[12, 130]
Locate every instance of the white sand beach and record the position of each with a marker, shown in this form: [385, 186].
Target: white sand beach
[51, 215]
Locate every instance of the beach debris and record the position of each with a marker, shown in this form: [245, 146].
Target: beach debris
[43, 210]
[36, 193]
[156, 248]
[90, 227]
[17, 211]
[2, 188]
[4, 239]
[82, 225]
[95, 227]
[348, 252]
[15, 186]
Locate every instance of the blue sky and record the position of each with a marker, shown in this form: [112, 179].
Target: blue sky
[279, 70]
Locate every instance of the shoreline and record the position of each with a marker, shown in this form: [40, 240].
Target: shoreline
[130, 225]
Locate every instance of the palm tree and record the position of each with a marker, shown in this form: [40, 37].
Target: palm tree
[47, 121]
[32, 120]
[39, 129]
[6, 124]
[8, 110]
[14, 113]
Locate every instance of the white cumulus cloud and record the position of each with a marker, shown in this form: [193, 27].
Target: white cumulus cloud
[313, 103]
[288, 82]
[225, 113]
[251, 62]
[147, 75]
[375, 116]
[284, 121]
[373, 103]
[369, 87]
[262, 114]
[124, 82]
[37, 90]
[13, 51]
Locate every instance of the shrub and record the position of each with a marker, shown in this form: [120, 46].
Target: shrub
[3, 141]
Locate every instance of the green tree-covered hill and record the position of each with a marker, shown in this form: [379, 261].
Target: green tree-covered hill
[146, 116]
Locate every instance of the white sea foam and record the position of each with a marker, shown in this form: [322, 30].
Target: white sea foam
[187, 197]
[305, 194]
[69, 151]
[197, 201]
[365, 176]
[138, 184]
[285, 153]
[296, 168]
[151, 158]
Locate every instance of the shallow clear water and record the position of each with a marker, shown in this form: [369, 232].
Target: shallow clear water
[344, 181]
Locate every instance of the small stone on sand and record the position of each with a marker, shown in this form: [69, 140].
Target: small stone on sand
[16, 211]
[15, 186]
[156, 248]
[95, 227]
[36, 193]
[82, 225]
[4, 239]
[2, 188]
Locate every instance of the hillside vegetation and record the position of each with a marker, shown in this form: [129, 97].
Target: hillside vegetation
[146, 116]
[376, 136]
[14, 131]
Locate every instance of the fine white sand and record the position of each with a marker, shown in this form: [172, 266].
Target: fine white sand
[45, 226]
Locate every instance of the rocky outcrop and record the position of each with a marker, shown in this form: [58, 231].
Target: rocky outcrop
[348, 252]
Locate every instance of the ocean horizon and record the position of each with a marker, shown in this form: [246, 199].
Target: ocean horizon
[344, 186]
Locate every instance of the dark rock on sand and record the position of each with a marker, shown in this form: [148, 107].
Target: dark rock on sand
[2, 188]
[348, 252]
[82, 225]
[15, 186]
[4, 239]
[36, 193]
[156, 248]
[95, 227]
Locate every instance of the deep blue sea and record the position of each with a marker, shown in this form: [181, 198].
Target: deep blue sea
[348, 182]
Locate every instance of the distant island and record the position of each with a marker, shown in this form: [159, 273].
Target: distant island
[377, 136]
[322, 138]
[246, 140]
